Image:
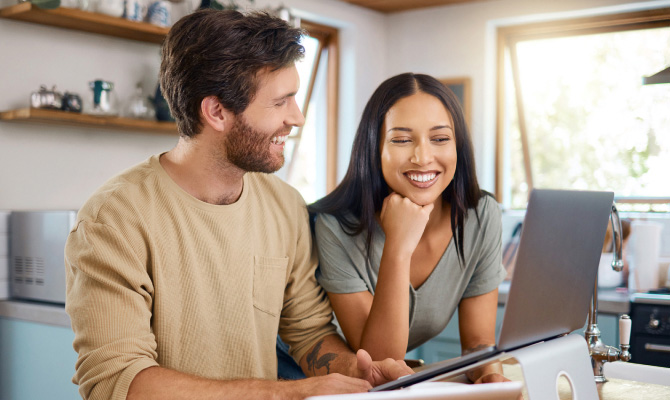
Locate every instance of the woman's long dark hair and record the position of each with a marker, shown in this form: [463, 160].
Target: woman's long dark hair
[361, 193]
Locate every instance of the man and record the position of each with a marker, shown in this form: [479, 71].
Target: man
[182, 270]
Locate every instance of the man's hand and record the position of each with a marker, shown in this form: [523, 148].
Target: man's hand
[162, 383]
[323, 385]
[331, 355]
[379, 372]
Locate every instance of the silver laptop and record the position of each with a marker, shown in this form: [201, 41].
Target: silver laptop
[555, 271]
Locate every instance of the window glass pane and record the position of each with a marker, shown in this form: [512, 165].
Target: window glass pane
[514, 165]
[591, 123]
[305, 156]
[305, 67]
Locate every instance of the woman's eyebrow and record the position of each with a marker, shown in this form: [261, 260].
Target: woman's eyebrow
[402, 129]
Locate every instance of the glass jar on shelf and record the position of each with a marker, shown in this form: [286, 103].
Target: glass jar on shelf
[139, 106]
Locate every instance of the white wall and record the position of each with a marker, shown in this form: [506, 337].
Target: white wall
[56, 167]
[459, 40]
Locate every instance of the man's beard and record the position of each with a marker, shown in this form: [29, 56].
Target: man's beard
[249, 149]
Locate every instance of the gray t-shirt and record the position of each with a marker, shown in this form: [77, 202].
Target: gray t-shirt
[344, 268]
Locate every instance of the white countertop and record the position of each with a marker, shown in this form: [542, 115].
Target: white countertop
[609, 302]
[43, 313]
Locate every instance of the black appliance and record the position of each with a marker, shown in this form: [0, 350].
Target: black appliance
[650, 333]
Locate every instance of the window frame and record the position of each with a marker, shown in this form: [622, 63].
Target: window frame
[328, 38]
[509, 36]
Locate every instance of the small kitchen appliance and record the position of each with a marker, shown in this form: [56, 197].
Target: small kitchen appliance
[37, 254]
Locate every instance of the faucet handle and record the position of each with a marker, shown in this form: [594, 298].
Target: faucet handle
[624, 330]
[624, 337]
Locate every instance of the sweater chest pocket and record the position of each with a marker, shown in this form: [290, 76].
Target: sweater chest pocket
[269, 283]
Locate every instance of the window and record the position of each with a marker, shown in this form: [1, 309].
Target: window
[574, 113]
[310, 153]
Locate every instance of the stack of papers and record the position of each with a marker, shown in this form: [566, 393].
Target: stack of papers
[439, 390]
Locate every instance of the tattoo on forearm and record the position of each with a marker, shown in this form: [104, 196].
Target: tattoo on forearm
[314, 362]
[476, 348]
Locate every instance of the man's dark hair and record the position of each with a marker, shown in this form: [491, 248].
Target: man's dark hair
[219, 53]
[361, 193]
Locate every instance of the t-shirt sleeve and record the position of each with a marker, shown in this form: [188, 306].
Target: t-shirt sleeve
[306, 315]
[489, 271]
[337, 271]
[109, 301]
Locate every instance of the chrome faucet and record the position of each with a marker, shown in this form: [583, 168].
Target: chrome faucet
[600, 352]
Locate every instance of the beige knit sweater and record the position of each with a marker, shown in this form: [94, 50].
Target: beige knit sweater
[157, 277]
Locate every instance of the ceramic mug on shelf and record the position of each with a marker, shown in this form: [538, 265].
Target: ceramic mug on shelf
[113, 8]
[71, 102]
[158, 13]
[135, 10]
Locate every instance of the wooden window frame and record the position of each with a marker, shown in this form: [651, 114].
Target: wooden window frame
[329, 40]
[508, 37]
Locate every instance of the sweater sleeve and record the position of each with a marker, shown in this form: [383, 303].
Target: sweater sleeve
[306, 316]
[109, 301]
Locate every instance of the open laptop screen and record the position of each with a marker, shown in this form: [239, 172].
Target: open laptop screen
[555, 272]
[556, 265]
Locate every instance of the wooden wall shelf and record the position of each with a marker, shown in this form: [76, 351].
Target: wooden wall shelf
[55, 117]
[70, 18]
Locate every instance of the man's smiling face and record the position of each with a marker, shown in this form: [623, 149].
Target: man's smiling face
[256, 141]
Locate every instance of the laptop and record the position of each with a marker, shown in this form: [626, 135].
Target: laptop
[554, 275]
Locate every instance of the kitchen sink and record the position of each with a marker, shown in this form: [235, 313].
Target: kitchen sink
[637, 372]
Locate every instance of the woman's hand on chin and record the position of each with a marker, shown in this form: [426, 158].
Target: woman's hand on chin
[403, 222]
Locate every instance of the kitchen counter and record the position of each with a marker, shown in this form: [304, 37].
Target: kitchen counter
[609, 302]
[43, 313]
[614, 389]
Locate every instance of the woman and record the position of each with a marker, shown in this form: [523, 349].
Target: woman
[408, 236]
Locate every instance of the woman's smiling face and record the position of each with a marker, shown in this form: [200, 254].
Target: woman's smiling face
[418, 148]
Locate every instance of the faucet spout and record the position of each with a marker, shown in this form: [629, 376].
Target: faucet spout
[601, 353]
[617, 239]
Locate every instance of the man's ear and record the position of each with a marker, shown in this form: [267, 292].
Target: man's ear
[214, 114]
